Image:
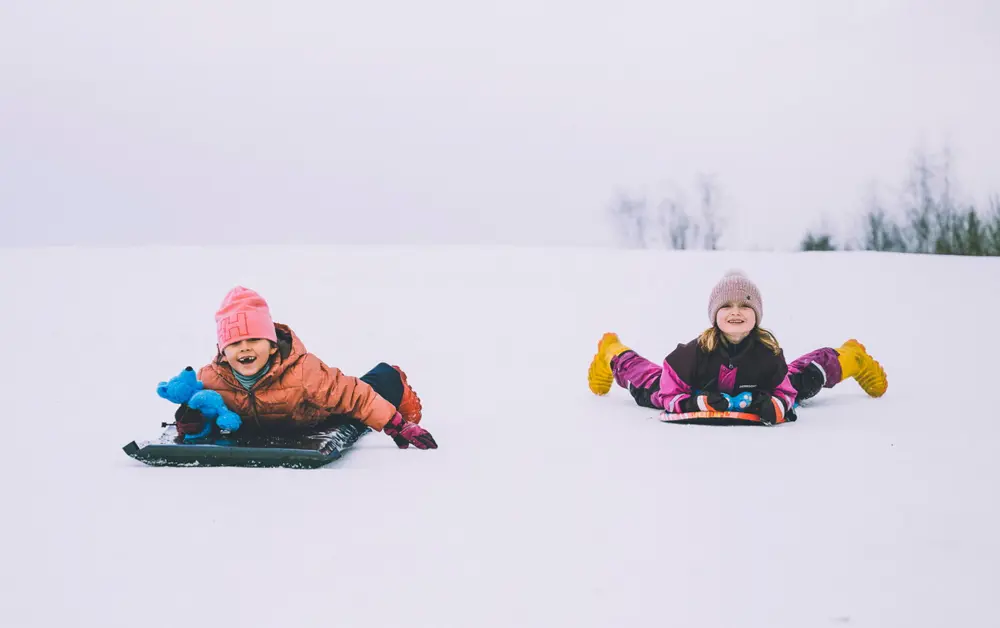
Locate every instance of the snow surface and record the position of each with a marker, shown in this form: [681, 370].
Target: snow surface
[545, 505]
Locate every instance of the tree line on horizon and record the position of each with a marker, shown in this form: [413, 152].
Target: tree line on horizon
[928, 219]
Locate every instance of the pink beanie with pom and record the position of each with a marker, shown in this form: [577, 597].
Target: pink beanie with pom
[243, 314]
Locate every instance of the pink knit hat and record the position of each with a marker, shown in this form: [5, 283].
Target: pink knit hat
[243, 314]
[735, 286]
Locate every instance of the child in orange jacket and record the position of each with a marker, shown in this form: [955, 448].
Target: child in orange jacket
[264, 374]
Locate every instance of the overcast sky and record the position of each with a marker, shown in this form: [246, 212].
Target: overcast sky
[460, 121]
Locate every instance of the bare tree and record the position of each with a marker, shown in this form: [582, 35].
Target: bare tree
[641, 224]
[674, 223]
[680, 225]
[630, 216]
[709, 212]
[921, 206]
[881, 233]
[932, 222]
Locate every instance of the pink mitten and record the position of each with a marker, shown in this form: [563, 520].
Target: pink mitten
[406, 434]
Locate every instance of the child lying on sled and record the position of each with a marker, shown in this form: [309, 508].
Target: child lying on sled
[733, 365]
[266, 377]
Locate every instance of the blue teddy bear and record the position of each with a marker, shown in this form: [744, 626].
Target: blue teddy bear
[185, 388]
[743, 400]
[739, 402]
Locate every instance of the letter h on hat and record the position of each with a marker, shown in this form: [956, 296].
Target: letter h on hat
[243, 315]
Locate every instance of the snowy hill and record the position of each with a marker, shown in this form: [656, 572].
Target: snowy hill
[545, 505]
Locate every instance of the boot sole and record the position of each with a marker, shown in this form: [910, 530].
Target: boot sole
[599, 375]
[864, 378]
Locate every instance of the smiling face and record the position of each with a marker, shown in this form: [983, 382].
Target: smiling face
[248, 357]
[736, 321]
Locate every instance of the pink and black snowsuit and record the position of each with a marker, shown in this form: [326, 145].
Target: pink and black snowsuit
[731, 369]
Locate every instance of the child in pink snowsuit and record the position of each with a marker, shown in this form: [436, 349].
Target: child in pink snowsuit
[733, 365]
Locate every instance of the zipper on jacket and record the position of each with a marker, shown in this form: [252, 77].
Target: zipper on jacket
[253, 407]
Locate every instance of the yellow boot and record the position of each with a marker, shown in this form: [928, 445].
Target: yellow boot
[855, 362]
[600, 377]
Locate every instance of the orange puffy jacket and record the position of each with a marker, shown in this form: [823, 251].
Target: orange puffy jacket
[298, 391]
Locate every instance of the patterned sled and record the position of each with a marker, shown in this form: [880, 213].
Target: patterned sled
[717, 418]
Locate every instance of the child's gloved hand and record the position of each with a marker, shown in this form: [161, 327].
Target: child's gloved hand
[740, 402]
[180, 387]
[769, 409]
[705, 402]
[192, 424]
[406, 434]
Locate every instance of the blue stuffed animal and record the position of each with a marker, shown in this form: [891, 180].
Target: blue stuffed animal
[180, 388]
[185, 388]
[210, 403]
[739, 402]
[743, 400]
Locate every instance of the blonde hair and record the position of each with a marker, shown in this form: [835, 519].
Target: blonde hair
[711, 338]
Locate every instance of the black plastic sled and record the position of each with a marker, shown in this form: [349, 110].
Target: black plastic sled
[300, 451]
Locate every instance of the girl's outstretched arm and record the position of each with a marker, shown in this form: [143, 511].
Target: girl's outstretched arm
[675, 394]
[776, 397]
[337, 393]
[785, 392]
